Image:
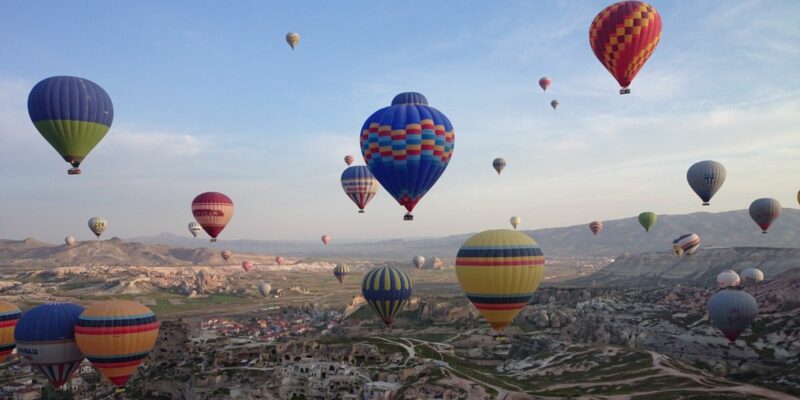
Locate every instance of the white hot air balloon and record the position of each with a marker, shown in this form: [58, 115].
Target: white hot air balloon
[728, 278]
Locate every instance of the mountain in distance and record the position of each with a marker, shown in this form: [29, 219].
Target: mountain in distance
[723, 229]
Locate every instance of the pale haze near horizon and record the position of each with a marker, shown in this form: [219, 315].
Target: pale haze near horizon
[212, 98]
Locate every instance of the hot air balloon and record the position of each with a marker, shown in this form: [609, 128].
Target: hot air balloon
[97, 225]
[226, 255]
[677, 248]
[647, 219]
[728, 278]
[499, 270]
[407, 147]
[116, 336]
[325, 239]
[705, 178]
[213, 211]
[732, 311]
[9, 315]
[499, 164]
[752, 276]
[387, 290]
[348, 159]
[359, 185]
[340, 272]
[293, 39]
[45, 336]
[264, 288]
[544, 83]
[73, 114]
[623, 36]
[418, 261]
[279, 260]
[689, 243]
[194, 228]
[247, 266]
[515, 221]
[554, 104]
[69, 240]
[595, 227]
[764, 212]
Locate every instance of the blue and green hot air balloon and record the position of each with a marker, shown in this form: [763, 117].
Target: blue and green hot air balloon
[407, 147]
[73, 114]
[387, 291]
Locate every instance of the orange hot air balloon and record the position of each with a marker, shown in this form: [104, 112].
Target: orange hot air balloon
[247, 266]
[116, 336]
[348, 159]
[325, 239]
[212, 211]
[623, 36]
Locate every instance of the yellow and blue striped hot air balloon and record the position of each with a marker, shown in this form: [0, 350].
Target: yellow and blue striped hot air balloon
[499, 270]
[387, 291]
[116, 336]
[9, 315]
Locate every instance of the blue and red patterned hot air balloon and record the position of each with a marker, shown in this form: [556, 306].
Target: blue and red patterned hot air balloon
[407, 147]
[359, 185]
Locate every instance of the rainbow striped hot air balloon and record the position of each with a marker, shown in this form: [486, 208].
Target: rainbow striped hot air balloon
[387, 291]
[9, 315]
[499, 270]
[407, 147]
[116, 336]
[213, 211]
[73, 114]
[359, 185]
[340, 272]
[45, 336]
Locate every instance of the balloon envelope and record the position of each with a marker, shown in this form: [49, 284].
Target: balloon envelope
[387, 290]
[764, 212]
[688, 243]
[69, 240]
[623, 36]
[407, 147]
[325, 239]
[728, 278]
[705, 178]
[264, 288]
[348, 159]
[544, 83]
[731, 311]
[647, 219]
[116, 336]
[499, 270]
[499, 164]
[97, 225]
[213, 211]
[279, 260]
[359, 185]
[752, 276]
[595, 227]
[340, 272]
[9, 316]
[418, 261]
[226, 254]
[554, 104]
[515, 221]
[72, 114]
[292, 38]
[45, 336]
[194, 228]
[247, 266]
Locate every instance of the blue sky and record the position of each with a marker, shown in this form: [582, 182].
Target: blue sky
[209, 97]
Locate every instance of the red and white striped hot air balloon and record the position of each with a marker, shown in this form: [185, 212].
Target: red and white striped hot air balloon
[348, 159]
[212, 210]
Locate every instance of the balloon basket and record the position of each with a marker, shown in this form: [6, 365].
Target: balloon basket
[705, 203]
[408, 217]
[624, 91]
[360, 211]
[74, 171]
[213, 239]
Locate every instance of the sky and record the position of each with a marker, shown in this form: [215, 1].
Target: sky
[209, 97]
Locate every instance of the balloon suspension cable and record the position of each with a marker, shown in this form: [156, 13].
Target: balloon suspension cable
[624, 91]
[74, 171]
[410, 217]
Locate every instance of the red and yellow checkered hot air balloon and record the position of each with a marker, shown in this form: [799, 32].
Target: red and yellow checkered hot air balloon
[9, 315]
[116, 336]
[623, 36]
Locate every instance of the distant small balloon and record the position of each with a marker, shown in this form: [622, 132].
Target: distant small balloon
[279, 260]
[764, 212]
[752, 276]
[264, 288]
[325, 239]
[340, 272]
[688, 243]
[647, 219]
[706, 178]
[348, 159]
[554, 104]
[728, 278]
[515, 221]
[595, 227]
[226, 255]
[69, 240]
[418, 261]
[499, 164]
[247, 266]
[194, 228]
[544, 83]
[97, 225]
[293, 39]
